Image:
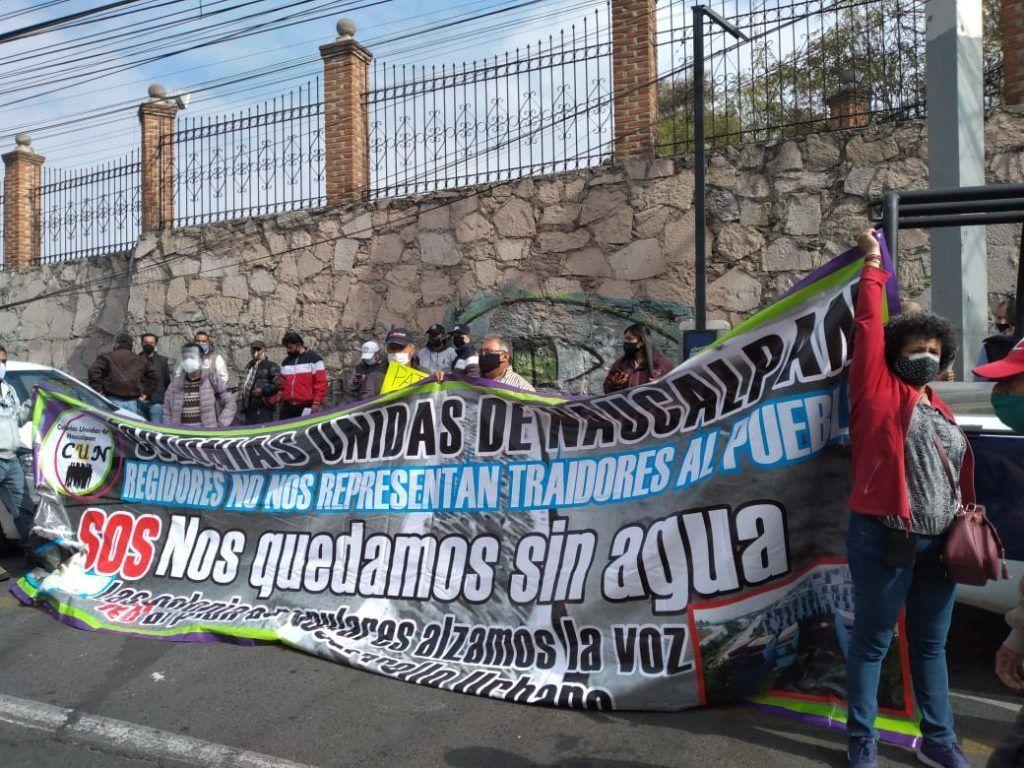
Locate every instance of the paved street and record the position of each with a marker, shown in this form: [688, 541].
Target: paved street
[245, 704]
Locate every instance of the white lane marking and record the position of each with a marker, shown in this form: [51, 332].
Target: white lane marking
[1007, 705]
[130, 739]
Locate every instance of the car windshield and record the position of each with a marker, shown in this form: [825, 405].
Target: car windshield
[24, 382]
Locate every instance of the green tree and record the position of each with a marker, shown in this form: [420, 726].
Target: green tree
[882, 44]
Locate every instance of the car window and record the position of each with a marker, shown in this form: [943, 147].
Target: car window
[25, 381]
[966, 398]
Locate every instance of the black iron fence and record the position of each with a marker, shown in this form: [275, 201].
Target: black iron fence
[539, 110]
[800, 53]
[89, 212]
[779, 82]
[546, 108]
[267, 159]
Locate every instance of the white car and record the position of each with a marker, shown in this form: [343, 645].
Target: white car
[25, 377]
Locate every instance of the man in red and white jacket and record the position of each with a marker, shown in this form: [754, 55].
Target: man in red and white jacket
[304, 379]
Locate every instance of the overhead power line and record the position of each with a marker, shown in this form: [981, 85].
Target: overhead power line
[35, 29]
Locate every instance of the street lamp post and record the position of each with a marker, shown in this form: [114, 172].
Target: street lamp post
[700, 173]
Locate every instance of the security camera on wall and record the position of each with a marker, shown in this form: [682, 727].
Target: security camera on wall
[181, 99]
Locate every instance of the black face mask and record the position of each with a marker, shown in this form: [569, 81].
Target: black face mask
[459, 342]
[148, 349]
[489, 361]
[435, 343]
[918, 369]
[1002, 327]
[630, 348]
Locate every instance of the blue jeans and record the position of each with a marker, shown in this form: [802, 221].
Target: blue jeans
[879, 591]
[129, 405]
[12, 493]
[154, 412]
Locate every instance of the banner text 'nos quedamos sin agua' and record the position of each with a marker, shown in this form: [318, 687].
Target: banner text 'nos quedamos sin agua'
[671, 545]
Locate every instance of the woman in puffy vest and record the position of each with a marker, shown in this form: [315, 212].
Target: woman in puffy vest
[195, 397]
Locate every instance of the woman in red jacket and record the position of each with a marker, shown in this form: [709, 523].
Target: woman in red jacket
[640, 362]
[912, 467]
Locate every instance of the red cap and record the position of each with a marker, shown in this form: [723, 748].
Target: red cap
[1011, 365]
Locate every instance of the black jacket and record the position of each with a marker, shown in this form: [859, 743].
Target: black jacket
[268, 380]
[367, 380]
[163, 371]
[122, 374]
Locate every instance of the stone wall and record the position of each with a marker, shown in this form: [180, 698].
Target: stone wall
[560, 264]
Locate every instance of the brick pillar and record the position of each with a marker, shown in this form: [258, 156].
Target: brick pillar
[849, 107]
[23, 170]
[156, 118]
[634, 71]
[346, 122]
[1012, 20]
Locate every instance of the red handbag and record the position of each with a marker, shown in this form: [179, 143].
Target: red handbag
[973, 553]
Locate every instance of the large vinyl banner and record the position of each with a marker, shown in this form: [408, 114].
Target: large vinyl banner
[672, 545]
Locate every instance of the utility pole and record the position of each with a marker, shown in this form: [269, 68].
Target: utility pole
[700, 162]
[956, 158]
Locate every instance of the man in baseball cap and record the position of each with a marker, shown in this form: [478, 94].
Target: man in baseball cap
[369, 373]
[467, 362]
[1008, 402]
[1008, 392]
[370, 352]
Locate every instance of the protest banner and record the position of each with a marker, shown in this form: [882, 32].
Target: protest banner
[671, 545]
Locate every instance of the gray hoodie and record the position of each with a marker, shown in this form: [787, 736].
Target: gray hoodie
[12, 415]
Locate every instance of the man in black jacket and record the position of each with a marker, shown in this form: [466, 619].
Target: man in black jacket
[153, 406]
[260, 385]
[126, 379]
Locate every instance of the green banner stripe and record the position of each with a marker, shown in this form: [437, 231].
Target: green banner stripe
[768, 314]
[274, 427]
[837, 712]
[67, 610]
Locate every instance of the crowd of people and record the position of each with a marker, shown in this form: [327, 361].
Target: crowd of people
[194, 392]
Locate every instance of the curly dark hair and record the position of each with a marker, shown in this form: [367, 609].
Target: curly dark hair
[911, 325]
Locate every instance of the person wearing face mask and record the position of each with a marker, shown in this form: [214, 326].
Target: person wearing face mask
[153, 406]
[13, 414]
[496, 365]
[640, 362]
[1008, 402]
[400, 347]
[260, 385]
[212, 360]
[196, 396]
[912, 466]
[123, 377]
[467, 362]
[438, 356]
[305, 378]
[369, 373]
[998, 346]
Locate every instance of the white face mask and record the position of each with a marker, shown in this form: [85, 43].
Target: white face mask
[3, 371]
[190, 365]
[402, 358]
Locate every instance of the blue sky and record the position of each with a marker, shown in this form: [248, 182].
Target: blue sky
[277, 51]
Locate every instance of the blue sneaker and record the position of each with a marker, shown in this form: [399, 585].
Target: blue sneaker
[863, 753]
[943, 756]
